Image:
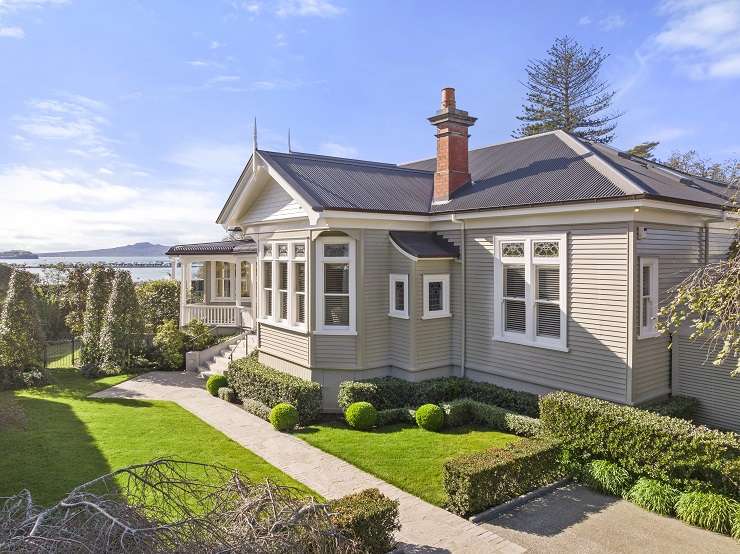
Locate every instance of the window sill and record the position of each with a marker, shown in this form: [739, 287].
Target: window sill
[282, 325]
[398, 316]
[436, 316]
[525, 342]
[339, 332]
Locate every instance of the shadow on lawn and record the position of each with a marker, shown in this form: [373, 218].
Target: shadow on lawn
[555, 512]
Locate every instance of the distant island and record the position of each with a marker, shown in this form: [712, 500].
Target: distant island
[137, 249]
[18, 255]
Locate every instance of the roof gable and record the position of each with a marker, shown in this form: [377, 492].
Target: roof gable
[272, 204]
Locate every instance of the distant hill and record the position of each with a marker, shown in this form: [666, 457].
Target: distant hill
[17, 255]
[138, 249]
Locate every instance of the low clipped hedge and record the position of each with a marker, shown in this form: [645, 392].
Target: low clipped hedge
[390, 392]
[477, 481]
[396, 415]
[251, 379]
[644, 443]
[465, 411]
[255, 407]
[368, 517]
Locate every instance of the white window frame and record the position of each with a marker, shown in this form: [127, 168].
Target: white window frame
[191, 280]
[393, 279]
[232, 281]
[649, 330]
[530, 263]
[432, 278]
[275, 259]
[321, 327]
[245, 279]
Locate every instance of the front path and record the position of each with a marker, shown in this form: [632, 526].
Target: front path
[424, 527]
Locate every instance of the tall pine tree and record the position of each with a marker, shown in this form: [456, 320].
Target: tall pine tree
[122, 327]
[564, 91]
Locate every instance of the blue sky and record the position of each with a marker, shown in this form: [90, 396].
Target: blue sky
[130, 120]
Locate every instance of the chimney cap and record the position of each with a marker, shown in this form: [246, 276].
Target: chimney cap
[448, 98]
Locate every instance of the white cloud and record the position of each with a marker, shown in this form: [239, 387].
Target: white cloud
[702, 36]
[308, 8]
[611, 22]
[214, 45]
[218, 159]
[281, 40]
[18, 5]
[338, 150]
[584, 20]
[12, 32]
[252, 7]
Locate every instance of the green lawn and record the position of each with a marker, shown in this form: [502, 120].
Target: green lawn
[55, 438]
[402, 454]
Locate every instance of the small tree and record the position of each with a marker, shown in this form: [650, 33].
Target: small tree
[159, 301]
[170, 345]
[564, 91]
[96, 305]
[644, 150]
[74, 293]
[21, 339]
[122, 327]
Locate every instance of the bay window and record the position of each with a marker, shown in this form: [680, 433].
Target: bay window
[530, 290]
[648, 297]
[336, 285]
[283, 283]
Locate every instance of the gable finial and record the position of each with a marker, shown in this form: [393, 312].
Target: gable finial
[254, 136]
[290, 150]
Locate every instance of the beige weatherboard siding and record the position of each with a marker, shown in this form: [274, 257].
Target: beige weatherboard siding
[274, 203]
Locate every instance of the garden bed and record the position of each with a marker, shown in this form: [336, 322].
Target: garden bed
[403, 454]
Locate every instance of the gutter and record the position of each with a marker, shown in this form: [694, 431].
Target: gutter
[464, 292]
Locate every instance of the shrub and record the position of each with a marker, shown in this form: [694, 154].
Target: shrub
[736, 525]
[653, 495]
[96, 304]
[159, 301]
[645, 444]
[255, 407]
[215, 382]
[477, 481]
[368, 517]
[464, 411]
[390, 392]
[607, 477]
[198, 336]
[169, 345]
[683, 407]
[122, 326]
[226, 393]
[708, 510]
[430, 417]
[396, 415]
[361, 415]
[284, 417]
[251, 379]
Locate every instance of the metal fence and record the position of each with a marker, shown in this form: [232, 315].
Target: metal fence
[62, 353]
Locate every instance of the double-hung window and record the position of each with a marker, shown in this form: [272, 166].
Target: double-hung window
[283, 283]
[335, 285]
[398, 300]
[648, 297]
[530, 280]
[246, 279]
[197, 283]
[222, 281]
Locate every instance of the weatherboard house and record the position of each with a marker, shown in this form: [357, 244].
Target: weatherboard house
[537, 264]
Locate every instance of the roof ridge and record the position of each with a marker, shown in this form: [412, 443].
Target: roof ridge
[346, 161]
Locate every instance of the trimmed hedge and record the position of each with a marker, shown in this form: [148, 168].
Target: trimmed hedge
[475, 482]
[684, 407]
[644, 443]
[361, 415]
[396, 415]
[251, 379]
[465, 411]
[216, 382]
[284, 417]
[430, 417]
[368, 517]
[255, 407]
[390, 392]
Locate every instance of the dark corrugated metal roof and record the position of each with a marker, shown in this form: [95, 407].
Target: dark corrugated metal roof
[247, 246]
[424, 244]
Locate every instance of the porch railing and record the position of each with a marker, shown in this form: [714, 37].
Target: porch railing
[224, 316]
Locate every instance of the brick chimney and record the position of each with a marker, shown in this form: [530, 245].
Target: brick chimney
[452, 147]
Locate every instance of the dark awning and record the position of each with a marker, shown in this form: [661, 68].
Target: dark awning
[247, 246]
[424, 244]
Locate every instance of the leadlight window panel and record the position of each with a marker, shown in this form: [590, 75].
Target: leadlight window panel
[435, 292]
[283, 289]
[399, 296]
[512, 249]
[267, 250]
[340, 250]
[282, 250]
[246, 279]
[299, 250]
[300, 292]
[546, 249]
[267, 281]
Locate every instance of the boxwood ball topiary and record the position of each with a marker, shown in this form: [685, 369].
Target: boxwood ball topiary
[430, 417]
[361, 415]
[215, 382]
[284, 417]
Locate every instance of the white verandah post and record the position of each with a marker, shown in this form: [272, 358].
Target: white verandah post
[238, 293]
[184, 283]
